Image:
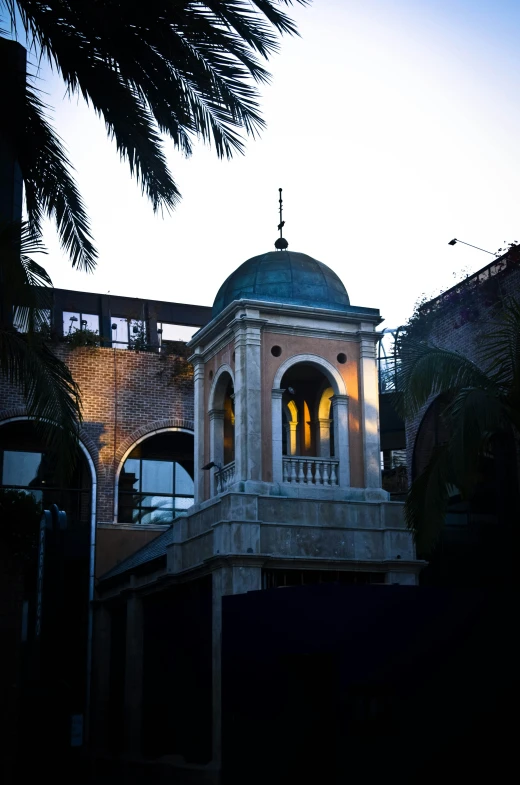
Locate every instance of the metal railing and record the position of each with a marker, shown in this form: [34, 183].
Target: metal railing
[225, 477]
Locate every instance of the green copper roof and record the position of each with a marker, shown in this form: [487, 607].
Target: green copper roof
[284, 277]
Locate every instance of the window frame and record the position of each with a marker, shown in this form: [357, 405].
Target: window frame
[130, 324]
[82, 320]
[138, 495]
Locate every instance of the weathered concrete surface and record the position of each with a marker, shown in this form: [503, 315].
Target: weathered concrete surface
[237, 525]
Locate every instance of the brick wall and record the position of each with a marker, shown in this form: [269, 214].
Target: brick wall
[460, 324]
[125, 395]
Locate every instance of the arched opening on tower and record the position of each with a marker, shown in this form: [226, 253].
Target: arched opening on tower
[308, 425]
[222, 430]
[229, 423]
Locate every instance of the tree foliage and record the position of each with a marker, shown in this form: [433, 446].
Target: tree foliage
[51, 395]
[483, 404]
[186, 70]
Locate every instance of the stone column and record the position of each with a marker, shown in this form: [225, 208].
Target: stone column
[292, 438]
[276, 434]
[133, 676]
[370, 409]
[248, 425]
[323, 437]
[198, 416]
[232, 579]
[216, 443]
[341, 438]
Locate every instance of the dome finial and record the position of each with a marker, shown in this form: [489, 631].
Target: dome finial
[281, 244]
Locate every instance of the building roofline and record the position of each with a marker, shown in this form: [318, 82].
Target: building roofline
[499, 265]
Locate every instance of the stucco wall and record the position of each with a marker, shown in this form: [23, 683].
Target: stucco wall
[292, 345]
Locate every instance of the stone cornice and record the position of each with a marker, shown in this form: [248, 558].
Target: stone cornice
[311, 332]
[209, 351]
[366, 335]
[215, 326]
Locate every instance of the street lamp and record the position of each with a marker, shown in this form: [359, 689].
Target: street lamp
[455, 241]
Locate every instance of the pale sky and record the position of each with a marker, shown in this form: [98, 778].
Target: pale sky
[392, 126]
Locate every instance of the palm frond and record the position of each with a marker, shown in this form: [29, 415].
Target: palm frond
[426, 371]
[52, 396]
[187, 70]
[25, 284]
[474, 416]
[500, 351]
[46, 171]
[427, 500]
[50, 188]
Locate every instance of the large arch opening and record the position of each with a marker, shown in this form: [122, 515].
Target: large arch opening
[478, 540]
[25, 466]
[156, 479]
[29, 485]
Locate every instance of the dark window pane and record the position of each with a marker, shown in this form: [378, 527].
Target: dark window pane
[22, 317]
[183, 504]
[90, 321]
[176, 332]
[130, 475]
[125, 512]
[71, 322]
[137, 330]
[157, 516]
[120, 331]
[20, 468]
[37, 495]
[157, 477]
[183, 481]
[158, 502]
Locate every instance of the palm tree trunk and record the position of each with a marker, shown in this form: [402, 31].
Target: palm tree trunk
[13, 63]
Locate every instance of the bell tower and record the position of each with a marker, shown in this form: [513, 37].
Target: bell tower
[286, 389]
[287, 454]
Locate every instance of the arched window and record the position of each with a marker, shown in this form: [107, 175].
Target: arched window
[156, 481]
[25, 467]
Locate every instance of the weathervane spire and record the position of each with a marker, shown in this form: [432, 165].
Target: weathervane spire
[281, 243]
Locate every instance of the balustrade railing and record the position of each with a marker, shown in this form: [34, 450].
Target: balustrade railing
[310, 471]
[225, 477]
